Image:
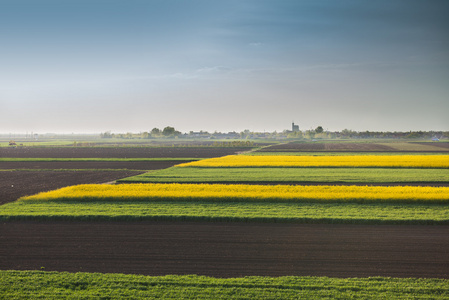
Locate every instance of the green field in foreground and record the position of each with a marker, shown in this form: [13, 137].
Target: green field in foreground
[290, 175]
[62, 285]
[246, 211]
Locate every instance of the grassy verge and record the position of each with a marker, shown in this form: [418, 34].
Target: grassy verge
[62, 285]
[292, 175]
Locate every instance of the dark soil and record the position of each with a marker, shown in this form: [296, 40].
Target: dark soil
[15, 184]
[118, 152]
[130, 165]
[294, 147]
[444, 145]
[226, 249]
[341, 147]
[178, 143]
[356, 147]
[310, 146]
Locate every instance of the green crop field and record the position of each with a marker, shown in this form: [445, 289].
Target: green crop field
[62, 285]
[203, 210]
[291, 175]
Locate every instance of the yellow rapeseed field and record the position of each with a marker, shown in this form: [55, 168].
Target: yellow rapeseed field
[394, 161]
[223, 192]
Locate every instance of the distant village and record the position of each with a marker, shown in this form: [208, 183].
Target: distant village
[294, 133]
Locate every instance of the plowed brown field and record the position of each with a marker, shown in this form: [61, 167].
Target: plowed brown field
[55, 165]
[117, 152]
[15, 184]
[226, 249]
[351, 147]
[444, 145]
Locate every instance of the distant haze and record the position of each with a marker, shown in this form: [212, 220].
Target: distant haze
[129, 66]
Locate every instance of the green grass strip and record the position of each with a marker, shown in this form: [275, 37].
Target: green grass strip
[292, 175]
[19, 159]
[343, 213]
[64, 285]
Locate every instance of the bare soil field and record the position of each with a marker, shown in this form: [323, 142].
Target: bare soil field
[55, 165]
[226, 249]
[294, 147]
[310, 146]
[118, 152]
[177, 143]
[356, 147]
[15, 184]
[436, 144]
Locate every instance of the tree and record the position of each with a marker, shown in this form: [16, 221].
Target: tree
[106, 135]
[155, 131]
[319, 129]
[168, 131]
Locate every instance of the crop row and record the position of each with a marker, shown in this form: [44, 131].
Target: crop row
[241, 192]
[293, 175]
[206, 211]
[380, 161]
[202, 202]
[62, 285]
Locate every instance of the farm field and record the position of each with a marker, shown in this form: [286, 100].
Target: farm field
[307, 170]
[119, 152]
[82, 285]
[345, 161]
[16, 184]
[352, 146]
[295, 176]
[226, 249]
[335, 153]
[241, 237]
[89, 165]
[340, 213]
[298, 204]
[29, 170]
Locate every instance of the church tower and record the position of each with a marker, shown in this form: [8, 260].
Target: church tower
[295, 128]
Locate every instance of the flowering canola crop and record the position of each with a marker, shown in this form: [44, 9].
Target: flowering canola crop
[393, 161]
[222, 192]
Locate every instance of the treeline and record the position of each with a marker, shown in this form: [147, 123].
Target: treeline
[395, 135]
[318, 133]
[154, 133]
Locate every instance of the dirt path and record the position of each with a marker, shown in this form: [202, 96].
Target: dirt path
[226, 249]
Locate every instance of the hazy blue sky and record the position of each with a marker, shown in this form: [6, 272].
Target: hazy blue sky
[97, 65]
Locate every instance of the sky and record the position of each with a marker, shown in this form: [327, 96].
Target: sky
[132, 65]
